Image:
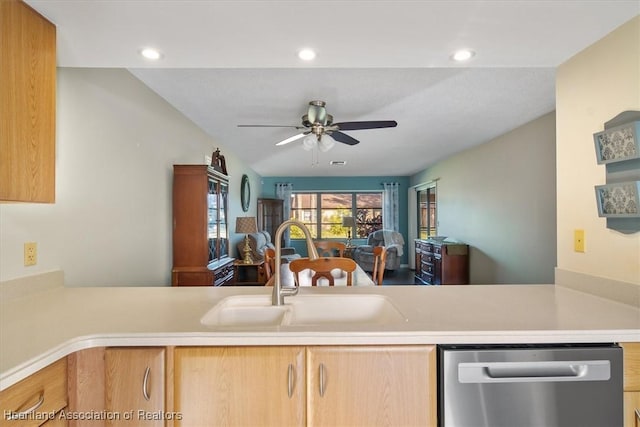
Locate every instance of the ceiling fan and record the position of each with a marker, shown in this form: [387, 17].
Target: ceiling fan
[317, 122]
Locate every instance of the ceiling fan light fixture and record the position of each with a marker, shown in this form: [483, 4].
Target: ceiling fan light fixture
[326, 143]
[463, 55]
[307, 54]
[309, 142]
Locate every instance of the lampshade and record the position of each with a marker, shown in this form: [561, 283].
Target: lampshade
[347, 221]
[309, 142]
[246, 225]
[326, 143]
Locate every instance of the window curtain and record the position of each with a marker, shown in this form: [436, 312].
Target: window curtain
[283, 191]
[390, 208]
[391, 217]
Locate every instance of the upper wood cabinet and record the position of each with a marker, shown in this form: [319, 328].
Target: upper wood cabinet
[27, 104]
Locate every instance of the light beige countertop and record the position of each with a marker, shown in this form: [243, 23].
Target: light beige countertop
[41, 327]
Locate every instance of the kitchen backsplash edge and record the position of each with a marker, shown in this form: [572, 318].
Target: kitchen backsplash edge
[615, 290]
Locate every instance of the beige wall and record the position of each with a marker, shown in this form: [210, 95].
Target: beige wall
[111, 223]
[593, 87]
[499, 197]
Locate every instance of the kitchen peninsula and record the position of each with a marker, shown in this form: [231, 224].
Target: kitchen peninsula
[45, 325]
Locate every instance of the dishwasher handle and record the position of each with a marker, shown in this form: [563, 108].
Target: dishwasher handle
[534, 371]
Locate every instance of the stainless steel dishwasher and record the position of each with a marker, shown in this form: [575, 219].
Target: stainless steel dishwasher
[530, 386]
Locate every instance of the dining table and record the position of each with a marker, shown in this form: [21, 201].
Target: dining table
[360, 278]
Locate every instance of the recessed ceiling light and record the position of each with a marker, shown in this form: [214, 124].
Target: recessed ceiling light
[151, 53]
[463, 55]
[307, 54]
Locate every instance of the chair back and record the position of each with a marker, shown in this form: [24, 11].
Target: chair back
[322, 267]
[269, 263]
[379, 262]
[330, 248]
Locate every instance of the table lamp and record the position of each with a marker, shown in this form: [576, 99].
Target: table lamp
[347, 221]
[246, 225]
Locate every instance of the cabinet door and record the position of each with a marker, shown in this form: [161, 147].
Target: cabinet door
[135, 381]
[631, 405]
[371, 386]
[239, 386]
[27, 104]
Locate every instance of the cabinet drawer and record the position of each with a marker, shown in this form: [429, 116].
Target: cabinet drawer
[426, 277]
[427, 258]
[43, 392]
[427, 268]
[631, 355]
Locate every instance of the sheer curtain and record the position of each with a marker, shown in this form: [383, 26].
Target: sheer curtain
[391, 216]
[390, 208]
[283, 191]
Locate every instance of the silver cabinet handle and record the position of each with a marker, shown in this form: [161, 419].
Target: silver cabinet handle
[290, 381]
[637, 414]
[321, 379]
[145, 384]
[23, 414]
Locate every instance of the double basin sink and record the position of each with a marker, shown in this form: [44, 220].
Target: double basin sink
[257, 310]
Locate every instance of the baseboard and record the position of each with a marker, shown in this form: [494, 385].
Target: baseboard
[624, 292]
[27, 285]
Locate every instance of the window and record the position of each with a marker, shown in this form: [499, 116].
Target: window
[427, 212]
[322, 213]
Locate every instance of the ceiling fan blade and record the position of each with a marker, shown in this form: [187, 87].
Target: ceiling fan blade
[343, 137]
[271, 126]
[293, 138]
[366, 125]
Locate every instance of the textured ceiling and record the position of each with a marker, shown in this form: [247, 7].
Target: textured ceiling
[233, 62]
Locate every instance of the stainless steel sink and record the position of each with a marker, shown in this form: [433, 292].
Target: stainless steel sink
[349, 309]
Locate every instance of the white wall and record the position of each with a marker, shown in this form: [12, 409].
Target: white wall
[593, 87]
[111, 223]
[499, 197]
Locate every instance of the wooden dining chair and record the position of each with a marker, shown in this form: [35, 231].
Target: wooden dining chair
[322, 267]
[330, 248]
[379, 262]
[269, 263]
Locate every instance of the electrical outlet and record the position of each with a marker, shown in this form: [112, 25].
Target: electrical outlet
[578, 240]
[30, 253]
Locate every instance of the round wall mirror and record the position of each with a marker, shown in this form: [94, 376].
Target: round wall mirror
[245, 193]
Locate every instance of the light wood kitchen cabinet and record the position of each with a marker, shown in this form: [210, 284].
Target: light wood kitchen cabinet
[239, 386]
[631, 357]
[36, 397]
[127, 384]
[27, 104]
[135, 384]
[371, 386]
[315, 386]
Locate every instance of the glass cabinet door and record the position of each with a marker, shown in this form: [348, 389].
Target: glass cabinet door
[212, 218]
[222, 212]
